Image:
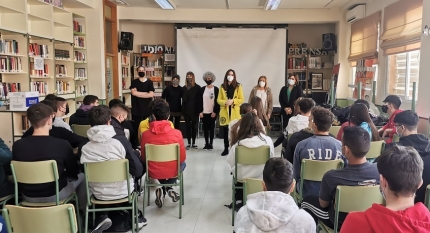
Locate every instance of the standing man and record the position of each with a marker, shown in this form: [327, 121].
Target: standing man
[173, 95]
[142, 91]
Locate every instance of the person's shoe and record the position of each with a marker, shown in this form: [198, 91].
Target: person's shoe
[194, 146]
[210, 147]
[173, 194]
[159, 200]
[188, 147]
[206, 147]
[225, 152]
[103, 225]
[141, 221]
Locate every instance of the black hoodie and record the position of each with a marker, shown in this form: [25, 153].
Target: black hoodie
[80, 117]
[422, 145]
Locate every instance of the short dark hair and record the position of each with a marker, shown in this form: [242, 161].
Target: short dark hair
[323, 118]
[160, 109]
[361, 101]
[357, 140]
[278, 175]
[176, 76]
[114, 102]
[38, 114]
[117, 109]
[50, 97]
[59, 101]
[90, 99]
[306, 105]
[245, 108]
[50, 104]
[407, 118]
[99, 115]
[402, 167]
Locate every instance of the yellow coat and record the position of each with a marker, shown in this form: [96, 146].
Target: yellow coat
[224, 116]
[144, 126]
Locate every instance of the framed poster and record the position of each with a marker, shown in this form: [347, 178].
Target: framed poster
[317, 81]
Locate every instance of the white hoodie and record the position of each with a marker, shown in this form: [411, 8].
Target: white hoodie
[273, 212]
[103, 147]
[250, 171]
[297, 123]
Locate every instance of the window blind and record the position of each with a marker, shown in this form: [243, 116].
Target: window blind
[364, 38]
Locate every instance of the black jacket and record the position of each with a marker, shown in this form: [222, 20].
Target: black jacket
[189, 101]
[80, 117]
[173, 96]
[119, 129]
[296, 93]
[200, 100]
[61, 133]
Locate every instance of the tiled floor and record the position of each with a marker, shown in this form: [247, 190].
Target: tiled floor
[207, 188]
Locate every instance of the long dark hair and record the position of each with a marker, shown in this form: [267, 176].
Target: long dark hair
[358, 114]
[193, 82]
[234, 83]
[257, 104]
[250, 126]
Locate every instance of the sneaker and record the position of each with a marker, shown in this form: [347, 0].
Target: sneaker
[206, 147]
[141, 221]
[159, 200]
[188, 147]
[210, 147]
[173, 194]
[194, 146]
[104, 224]
[225, 152]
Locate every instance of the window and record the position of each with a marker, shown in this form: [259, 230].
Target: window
[403, 70]
[368, 94]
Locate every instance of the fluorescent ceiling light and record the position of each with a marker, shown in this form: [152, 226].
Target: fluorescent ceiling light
[166, 4]
[271, 4]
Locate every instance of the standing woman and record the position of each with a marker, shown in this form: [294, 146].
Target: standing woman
[208, 108]
[173, 95]
[189, 108]
[230, 98]
[263, 91]
[287, 96]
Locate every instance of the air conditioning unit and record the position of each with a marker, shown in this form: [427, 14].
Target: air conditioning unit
[356, 13]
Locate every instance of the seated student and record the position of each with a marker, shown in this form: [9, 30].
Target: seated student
[321, 146]
[285, 133]
[62, 110]
[105, 145]
[50, 97]
[257, 105]
[391, 107]
[144, 126]
[162, 132]
[373, 111]
[126, 124]
[6, 187]
[400, 169]
[301, 120]
[274, 210]
[359, 116]
[59, 132]
[406, 124]
[355, 145]
[233, 127]
[80, 117]
[40, 147]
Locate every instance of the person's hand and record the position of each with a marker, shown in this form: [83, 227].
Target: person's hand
[201, 115]
[213, 115]
[133, 91]
[255, 111]
[286, 110]
[290, 111]
[229, 102]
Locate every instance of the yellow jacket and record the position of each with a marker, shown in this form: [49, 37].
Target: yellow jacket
[144, 126]
[224, 116]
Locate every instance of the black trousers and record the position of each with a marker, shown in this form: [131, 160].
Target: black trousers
[225, 136]
[191, 124]
[311, 204]
[176, 121]
[208, 128]
[285, 119]
[136, 121]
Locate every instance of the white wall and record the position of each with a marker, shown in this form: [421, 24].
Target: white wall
[423, 106]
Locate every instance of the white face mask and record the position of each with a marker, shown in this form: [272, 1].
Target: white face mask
[262, 83]
[291, 82]
[230, 78]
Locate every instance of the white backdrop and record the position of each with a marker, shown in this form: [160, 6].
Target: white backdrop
[250, 52]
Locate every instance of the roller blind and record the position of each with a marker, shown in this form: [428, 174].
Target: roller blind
[364, 38]
[402, 26]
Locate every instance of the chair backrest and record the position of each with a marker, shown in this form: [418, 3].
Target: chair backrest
[60, 218]
[252, 186]
[314, 170]
[334, 130]
[162, 153]
[81, 130]
[427, 198]
[376, 148]
[252, 156]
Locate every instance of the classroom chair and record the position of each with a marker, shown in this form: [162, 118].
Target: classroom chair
[81, 130]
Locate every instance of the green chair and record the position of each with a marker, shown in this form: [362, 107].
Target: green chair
[352, 198]
[396, 138]
[109, 172]
[376, 149]
[52, 219]
[427, 198]
[251, 186]
[164, 153]
[247, 156]
[314, 170]
[334, 130]
[81, 130]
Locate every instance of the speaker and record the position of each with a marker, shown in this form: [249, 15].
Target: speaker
[126, 41]
[329, 42]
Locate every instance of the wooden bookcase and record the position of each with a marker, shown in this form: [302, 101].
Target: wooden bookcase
[126, 77]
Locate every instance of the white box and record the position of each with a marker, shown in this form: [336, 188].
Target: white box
[20, 101]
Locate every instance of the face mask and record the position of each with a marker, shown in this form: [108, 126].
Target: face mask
[230, 78]
[67, 110]
[175, 82]
[382, 193]
[141, 74]
[384, 108]
[189, 80]
[291, 82]
[262, 83]
[208, 82]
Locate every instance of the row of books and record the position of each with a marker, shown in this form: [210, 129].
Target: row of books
[125, 71]
[5, 88]
[154, 73]
[41, 87]
[39, 73]
[10, 64]
[296, 63]
[80, 57]
[62, 54]
[81, 90]
[64, 87]
[25, 123]
[139, 61]
[77, 27]
[80, 73]
[79, 41]
[315, 62]
[125, 60]
[9, 46]
[38, 50]
[61, 70]
[156, 63]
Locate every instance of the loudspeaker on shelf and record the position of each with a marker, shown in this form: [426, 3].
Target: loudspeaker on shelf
[126, 41]
[329, 42]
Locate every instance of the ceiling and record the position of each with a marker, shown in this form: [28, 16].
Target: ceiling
[240, 4]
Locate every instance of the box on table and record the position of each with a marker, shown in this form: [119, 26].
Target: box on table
[20, 101]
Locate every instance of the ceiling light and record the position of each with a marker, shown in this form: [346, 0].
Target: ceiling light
[271, 4]
[166, 4]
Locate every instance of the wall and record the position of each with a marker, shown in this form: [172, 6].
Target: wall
[423, 108]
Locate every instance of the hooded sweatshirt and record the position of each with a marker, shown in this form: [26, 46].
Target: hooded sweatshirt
[250, 171]
[273, 212]
[80, 117]
[378, 219]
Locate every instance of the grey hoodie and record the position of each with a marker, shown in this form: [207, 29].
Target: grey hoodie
[273, 212]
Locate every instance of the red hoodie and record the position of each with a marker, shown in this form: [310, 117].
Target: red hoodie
[161, 133]
[379, 219]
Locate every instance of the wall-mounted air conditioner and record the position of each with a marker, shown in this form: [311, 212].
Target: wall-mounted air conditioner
[356, 13]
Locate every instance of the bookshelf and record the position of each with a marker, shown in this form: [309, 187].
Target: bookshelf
[126, 77]
[80, 56]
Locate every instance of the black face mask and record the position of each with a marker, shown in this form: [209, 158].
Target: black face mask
[67, 110]
[384, 108]
[141, 74]
[208, 82]
[189, 80]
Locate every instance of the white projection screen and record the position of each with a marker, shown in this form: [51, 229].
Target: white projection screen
[250, 52]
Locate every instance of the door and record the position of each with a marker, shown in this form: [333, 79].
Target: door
[111, 51]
